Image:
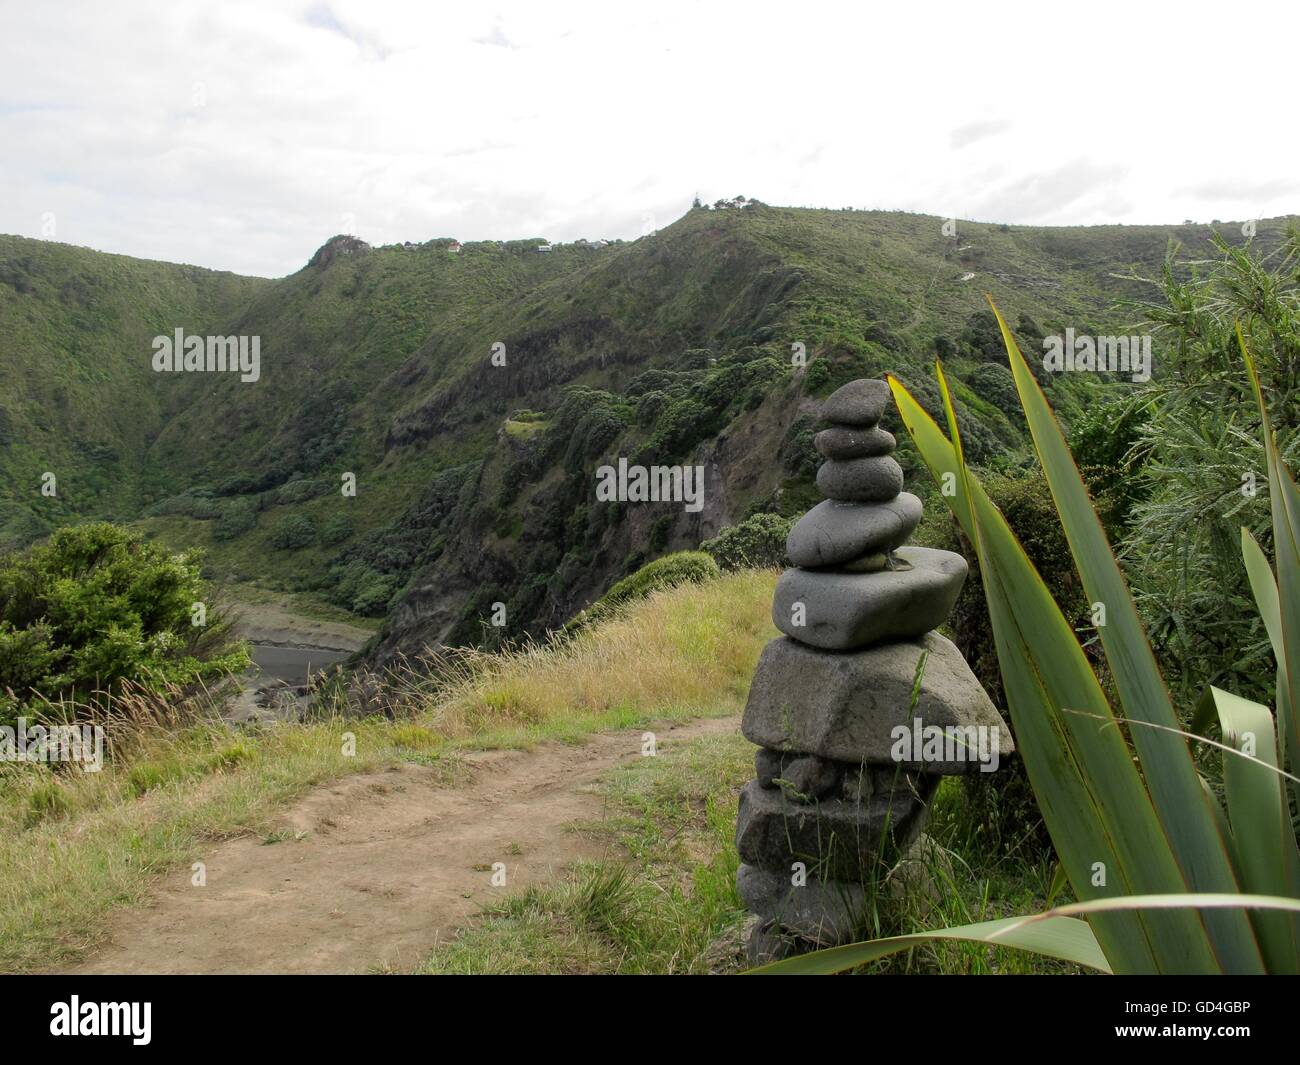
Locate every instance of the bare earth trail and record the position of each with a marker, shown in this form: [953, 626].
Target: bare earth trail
[390, 864]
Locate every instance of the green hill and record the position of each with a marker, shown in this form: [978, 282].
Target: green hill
[474, 480]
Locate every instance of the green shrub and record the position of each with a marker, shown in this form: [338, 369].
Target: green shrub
[234, 518]
[758, 542]
[681, 567]
[97, 605]
[301, 491]
[336, 530]
[993, 382]
[293, 532]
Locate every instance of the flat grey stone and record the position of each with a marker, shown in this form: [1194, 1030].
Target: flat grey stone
[847, 442]
[833, 533]
[846, 611]
[847, 706]
[860, 402]
[801, 775]
[825, 912]
[834, 838]
[874, 480]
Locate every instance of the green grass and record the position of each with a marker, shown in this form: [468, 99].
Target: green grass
[665, 901]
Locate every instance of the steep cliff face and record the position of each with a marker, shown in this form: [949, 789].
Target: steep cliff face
[554, 547]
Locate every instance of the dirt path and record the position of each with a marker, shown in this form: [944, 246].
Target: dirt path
[390, 864]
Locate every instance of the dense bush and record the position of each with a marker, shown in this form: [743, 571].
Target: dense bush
[97, 605]
[758, 542]
[993, 382]
[982, 339]
[359, 588]
[293, 532]
[681, 567]
[799, 458]
[234, 518]
[336, 530]
[667, 572]
[301, 491]
[1202, 465]
[1108, 443]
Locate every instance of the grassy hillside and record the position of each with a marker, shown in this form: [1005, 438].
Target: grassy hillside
[77, 395]
[474, 478]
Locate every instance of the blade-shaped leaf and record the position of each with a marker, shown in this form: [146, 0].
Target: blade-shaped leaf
[1264, 589]
[1066, 938]
[1257, 803]
[1284, 500]
[1084, 777]
[1176, 794]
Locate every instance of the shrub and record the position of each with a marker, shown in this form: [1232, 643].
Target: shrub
[799, 458]
[758, 542]
[98, 605]
[235, 517]
[994, 383]
[336, 530]
[667, 572]
[301, 491]
[681, 567]
[294, 532]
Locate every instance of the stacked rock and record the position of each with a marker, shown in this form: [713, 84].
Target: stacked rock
[838, 798]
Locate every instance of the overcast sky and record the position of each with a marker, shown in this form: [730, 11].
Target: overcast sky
[240, 136]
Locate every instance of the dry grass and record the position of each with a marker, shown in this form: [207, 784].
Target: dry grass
[681, 652]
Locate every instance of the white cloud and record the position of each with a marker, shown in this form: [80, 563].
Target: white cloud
[242, 135]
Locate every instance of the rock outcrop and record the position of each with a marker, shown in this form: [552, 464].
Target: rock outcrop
[860, 707]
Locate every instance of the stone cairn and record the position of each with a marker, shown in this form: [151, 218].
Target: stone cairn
[832, 808]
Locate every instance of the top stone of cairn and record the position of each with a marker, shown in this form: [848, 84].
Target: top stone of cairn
[859, 402]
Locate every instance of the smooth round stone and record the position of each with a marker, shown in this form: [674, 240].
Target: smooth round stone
[848, 442]
[860, 402]
[874, 480]
[833, 533]
[844, 611]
